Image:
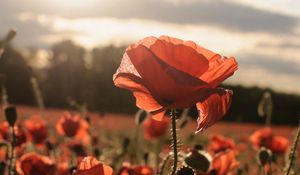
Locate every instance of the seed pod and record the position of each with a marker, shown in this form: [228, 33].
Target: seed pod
[198, 160]
[11, 115]
[264, 156]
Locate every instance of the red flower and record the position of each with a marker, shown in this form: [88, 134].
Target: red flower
[72, 126]
[266, 138]
[136, 170]
[225, 162]
[91, 166]
[219, 143]
[20, 136]
[34, 164]
[166, 73]
[37, 129]
[154, 128]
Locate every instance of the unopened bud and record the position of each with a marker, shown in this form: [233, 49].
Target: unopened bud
[10, 35]
[11, 115]
[264, 156]
[198, 160]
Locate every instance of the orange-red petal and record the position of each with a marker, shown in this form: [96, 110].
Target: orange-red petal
[213, 108]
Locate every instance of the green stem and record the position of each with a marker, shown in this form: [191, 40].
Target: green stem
[174, 139]
[293, 152]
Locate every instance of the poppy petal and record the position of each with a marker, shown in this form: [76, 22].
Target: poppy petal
[220, 68]
[180, 56]
[144, 99]
[213, 108]
[166, 84]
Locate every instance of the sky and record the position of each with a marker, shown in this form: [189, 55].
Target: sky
[263, 35]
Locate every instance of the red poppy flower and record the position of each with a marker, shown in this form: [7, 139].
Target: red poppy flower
[219, 143]
[166, 73]
[37, 129]
[266, 138]
[91, 166]
[20, 136]
[34, 164]
[72, 126]
[225, 162]
[154, 128]
[136, 170]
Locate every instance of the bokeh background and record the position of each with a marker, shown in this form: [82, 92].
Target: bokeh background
[73, 47]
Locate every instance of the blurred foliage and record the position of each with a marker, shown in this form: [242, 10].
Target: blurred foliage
[86, 76]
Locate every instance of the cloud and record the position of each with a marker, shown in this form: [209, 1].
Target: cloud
[225, 14]
[270, 64]
[252, 75]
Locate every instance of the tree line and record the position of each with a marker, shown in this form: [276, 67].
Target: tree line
[73, 73]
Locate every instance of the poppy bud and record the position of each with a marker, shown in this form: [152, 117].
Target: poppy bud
[97, 152]
[10, 35]
[265, 106]
[198, 147]
[185, 171]
[11, 115]
[198, 160]
[264, 156]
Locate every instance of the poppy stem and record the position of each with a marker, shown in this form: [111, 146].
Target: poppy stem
[11, 156]
[292, 156]
[174, 139]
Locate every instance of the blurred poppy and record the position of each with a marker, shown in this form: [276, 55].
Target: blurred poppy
[154, 128]
[219, 143]
[166, 73]
[34, 164]
[136, 170]
[91, 166]
[20, 136]
[225, 162]
[266, 138]
[72, 126]
[37, 129]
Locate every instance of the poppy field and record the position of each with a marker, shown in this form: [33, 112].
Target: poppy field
[166, 77]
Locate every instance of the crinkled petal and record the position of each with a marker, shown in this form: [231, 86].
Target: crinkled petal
[180, 56]
[166, 84]
[213, 108]
[220, 68]
[191, 58]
